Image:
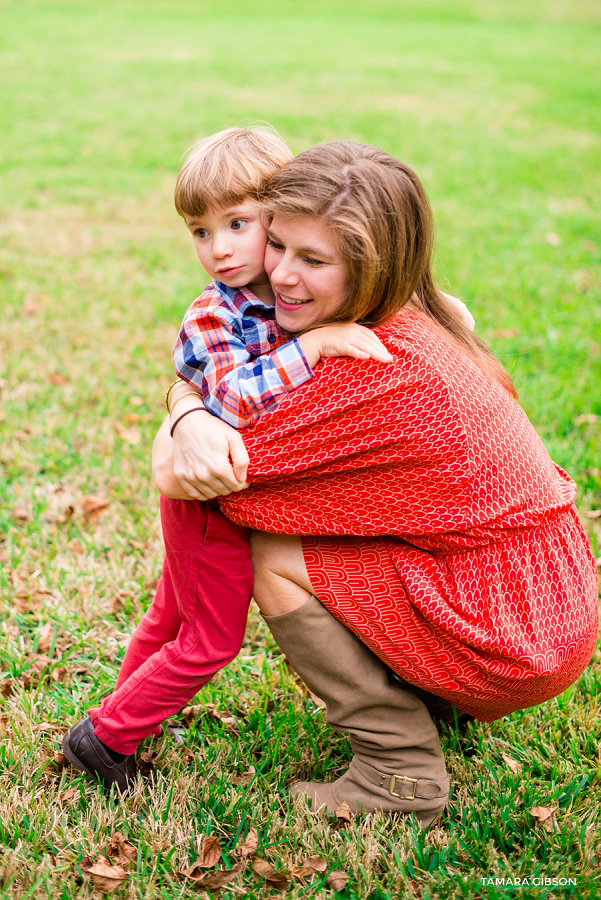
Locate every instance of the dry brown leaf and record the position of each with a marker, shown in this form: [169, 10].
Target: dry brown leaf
[249, 845]
[26, 602]
[187, 754]
[585, 419]
[210, 852]
[21, 515]
[93, 506]
[39, 666]
[146, 761]
[506, 333]
[57, 378]
[59, 674]
[593, 513]
[76, 547]
[60, 761]
[67, 796]
[60, 514]
[546, 815]
[221, 715]
[316, 863]
[45, 639]
[104, 877]
[301, 873]
[120, 850]
[161, 846]
[343, 812]
[337, 880]
[275, 879]
[116, 604]
[513, 764]
[152, 584]
[129, 435]
[8, 688]
[245, 778]
[191, 713]
[212, 881]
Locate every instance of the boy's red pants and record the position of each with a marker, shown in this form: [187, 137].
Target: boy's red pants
[194, 626]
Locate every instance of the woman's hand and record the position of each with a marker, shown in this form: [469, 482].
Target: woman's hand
[209, 456]
[203, 469]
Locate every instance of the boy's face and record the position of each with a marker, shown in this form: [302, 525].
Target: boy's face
[230, 244]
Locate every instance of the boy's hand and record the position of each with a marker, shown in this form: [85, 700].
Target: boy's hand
[347, 339]
[464, 313]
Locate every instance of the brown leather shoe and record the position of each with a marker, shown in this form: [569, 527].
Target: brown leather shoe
[83, 750]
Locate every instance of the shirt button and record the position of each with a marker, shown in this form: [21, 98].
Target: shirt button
[271, 338]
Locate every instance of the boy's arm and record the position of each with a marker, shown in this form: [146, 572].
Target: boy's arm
[211, 354]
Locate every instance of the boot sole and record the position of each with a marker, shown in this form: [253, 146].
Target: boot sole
[74, 759]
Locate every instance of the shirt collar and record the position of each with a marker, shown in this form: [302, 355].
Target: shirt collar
[249, 299]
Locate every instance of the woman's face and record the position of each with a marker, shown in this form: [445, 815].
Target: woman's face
[308, 276]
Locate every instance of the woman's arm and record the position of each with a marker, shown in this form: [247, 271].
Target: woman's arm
[213, 464]
[162, 465]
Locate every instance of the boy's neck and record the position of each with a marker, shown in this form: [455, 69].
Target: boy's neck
[262, 290]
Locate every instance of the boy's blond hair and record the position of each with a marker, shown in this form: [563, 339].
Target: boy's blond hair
[228, 168]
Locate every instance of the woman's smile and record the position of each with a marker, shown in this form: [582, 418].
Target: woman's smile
[289, 301]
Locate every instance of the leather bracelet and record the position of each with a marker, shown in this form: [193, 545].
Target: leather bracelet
[184, 414]
[169, 389]
[181, 397]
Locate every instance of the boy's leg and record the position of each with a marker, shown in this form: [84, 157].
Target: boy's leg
[208, 559]
[159, 625]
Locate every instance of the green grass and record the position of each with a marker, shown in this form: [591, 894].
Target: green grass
[496, 105]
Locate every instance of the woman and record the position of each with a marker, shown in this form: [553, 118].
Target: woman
[418, 523]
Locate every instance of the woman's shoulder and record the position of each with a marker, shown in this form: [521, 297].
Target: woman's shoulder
[415, 332]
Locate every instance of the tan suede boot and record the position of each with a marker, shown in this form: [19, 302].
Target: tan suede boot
[398, 764]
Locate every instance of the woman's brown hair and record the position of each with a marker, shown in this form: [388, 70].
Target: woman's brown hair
[382, 224]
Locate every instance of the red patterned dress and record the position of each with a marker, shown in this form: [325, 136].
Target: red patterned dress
[434, 523]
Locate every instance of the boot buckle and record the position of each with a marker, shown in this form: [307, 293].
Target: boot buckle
[392, 785]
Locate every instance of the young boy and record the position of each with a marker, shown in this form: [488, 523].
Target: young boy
[233, 361]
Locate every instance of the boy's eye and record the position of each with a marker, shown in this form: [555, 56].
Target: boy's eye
[274, 244]
[201, 232]
[237, 224]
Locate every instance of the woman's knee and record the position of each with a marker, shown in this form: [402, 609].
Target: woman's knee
[275, 553]
[281, 579]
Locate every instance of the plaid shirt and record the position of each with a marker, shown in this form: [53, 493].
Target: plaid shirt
[231, 348]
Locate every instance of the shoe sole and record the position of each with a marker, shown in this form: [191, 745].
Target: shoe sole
[75, 761]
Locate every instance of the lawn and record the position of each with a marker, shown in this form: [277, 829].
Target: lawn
[495, 103]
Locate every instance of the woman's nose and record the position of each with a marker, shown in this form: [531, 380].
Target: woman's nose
[285, 272]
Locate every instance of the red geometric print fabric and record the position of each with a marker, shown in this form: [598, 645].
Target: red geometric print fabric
[439, 530]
